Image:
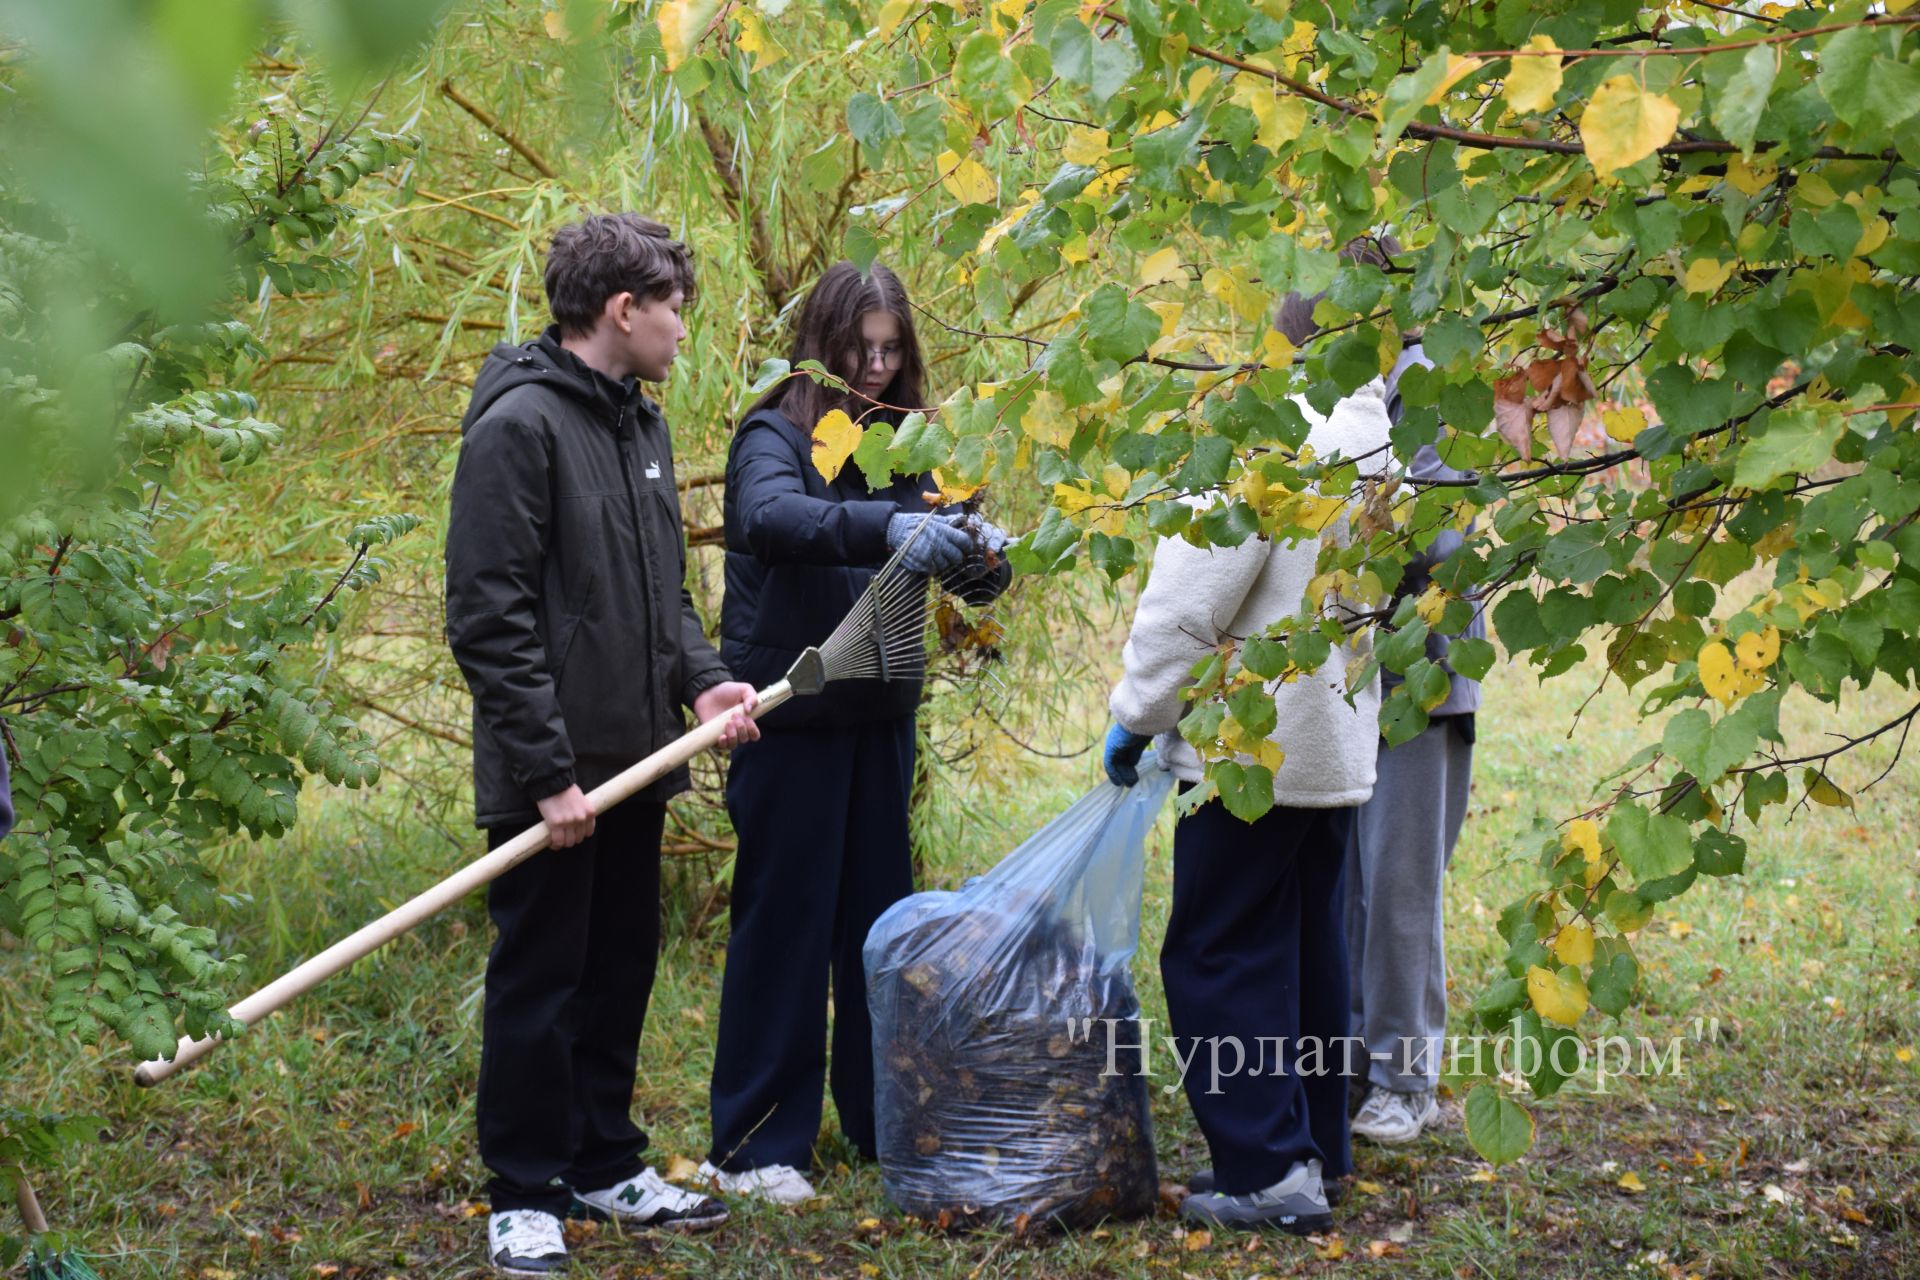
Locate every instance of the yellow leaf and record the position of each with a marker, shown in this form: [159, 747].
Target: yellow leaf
[1276, 352]
[1532, 83]
[1196, 1241]
[1557, 997]
[1582, 834]
[1247, 301]
[1431, 604]
[1756, 650]
[1075, 248]
[1115, 478]
[1161, 266]
[967, 179]
[1198, 83]
[834, 440]
[555, 22]
[1822, 791]
[682, 23]
[1574, 943]
[1873, 237]
[1169, 313]
[892, 14]
[1459, 68]
[1623, 422]
[1706, 275]
[1631, 1184]
[1750, 178]
[952, 491]
[1072, 499]
[1046, 420]
[1279, 118]
[1678, 928]
[1108, 183]
[1624, 124]
[1904, 1054]
[1332, 1251]
[681, 1169]
[1085, 146]
[1718, 674]
[755, 39]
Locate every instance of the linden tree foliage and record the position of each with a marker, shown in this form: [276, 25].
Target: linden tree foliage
[1661, 259]
[155, 696]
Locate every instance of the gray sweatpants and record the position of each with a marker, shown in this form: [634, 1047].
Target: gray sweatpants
[1401, 843]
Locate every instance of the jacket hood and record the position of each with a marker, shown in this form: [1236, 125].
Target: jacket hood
[544, 360]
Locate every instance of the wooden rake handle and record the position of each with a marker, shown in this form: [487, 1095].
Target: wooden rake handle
[302, 979]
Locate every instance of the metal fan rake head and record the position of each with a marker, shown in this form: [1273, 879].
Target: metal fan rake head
[883, 637]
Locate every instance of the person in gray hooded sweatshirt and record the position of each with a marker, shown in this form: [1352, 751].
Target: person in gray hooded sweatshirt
[1401, 842]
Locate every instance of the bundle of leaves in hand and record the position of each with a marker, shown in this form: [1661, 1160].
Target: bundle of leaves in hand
[996, 1098]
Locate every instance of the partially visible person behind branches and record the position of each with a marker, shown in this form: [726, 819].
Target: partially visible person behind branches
[1255, 951]
[820, 801]
[1403, 838]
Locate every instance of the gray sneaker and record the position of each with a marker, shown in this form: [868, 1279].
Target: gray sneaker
[1296, 1204]
[1335, 1189]
[1392, 1119]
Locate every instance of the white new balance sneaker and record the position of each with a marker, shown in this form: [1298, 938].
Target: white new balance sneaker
[648, 1200]
[526, 1242]
[780, 1183]
[1391, 1118]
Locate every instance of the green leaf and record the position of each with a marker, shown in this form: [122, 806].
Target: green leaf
[1408, 94]
[1500, 1129]
[1652, 845]
[1866, 89]
[1611, 985]
[1118, 328]
[1740, 102]
[872, 122]
[1796, 441]
[1102, 66]
[1246, 790]
[1471, 657]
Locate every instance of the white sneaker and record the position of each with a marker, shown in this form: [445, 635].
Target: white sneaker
[780, 1183]
[1391, 1118]
[648, 1200]
[526, 1242]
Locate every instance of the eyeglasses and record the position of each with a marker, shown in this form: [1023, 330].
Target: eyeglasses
[889, 357]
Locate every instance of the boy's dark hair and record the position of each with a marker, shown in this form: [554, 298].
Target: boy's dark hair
[609, 253]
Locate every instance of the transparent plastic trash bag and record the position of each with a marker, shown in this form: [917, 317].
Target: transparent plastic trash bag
[994, 1006]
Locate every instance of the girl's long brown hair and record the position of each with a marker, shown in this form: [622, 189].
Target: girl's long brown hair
[828, 330]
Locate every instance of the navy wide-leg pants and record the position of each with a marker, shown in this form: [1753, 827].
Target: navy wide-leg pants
[821, 815]
[1256, 949]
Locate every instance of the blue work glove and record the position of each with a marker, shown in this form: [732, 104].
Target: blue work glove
[942, 546]
[1123, 755]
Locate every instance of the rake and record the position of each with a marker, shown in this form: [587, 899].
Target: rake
[883, 638]
[43, 1263]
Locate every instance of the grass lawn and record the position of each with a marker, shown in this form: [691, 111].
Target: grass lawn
[338, 1139]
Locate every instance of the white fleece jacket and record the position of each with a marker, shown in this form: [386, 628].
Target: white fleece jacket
[1197, 596]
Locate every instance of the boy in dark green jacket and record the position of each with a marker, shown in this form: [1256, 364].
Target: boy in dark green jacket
[568, 613]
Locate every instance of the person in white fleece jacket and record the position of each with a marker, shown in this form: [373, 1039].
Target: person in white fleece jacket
[1255, 945]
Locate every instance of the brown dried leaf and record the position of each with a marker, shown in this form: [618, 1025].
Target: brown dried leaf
[1514, 421]
[1563, 424]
